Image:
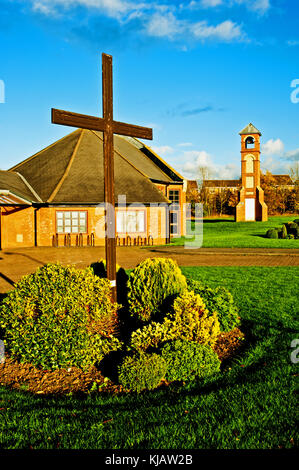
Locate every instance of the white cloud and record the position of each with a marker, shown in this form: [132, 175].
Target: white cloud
[210, 3]
[292, 155]
[163, 150]
[276, 166]
[185, 144]
[198, 161]
[113, 8]
[260, 6]
[157, 20]
[166, 25]
[273, 147]
[227, 30]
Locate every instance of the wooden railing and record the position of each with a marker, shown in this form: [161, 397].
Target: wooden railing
[79, 240]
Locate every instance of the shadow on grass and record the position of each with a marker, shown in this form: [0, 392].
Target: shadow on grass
[215, 221]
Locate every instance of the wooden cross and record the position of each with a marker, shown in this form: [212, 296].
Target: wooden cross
[109, 127]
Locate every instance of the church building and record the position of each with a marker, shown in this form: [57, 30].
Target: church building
[56, 197]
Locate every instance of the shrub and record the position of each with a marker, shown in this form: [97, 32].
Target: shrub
[272, 233]
[152, 335]
[218, 300]
[284, 232]
[192, 321]
[187, 360]
[152, 285]
[60, 317]
[142, 371]
[296, 221]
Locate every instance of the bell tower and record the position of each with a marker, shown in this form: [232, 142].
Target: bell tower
[251, 206]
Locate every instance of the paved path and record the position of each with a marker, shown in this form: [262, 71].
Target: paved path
[15, 263]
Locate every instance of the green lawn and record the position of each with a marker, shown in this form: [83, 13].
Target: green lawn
[250, 405]
[225, 233]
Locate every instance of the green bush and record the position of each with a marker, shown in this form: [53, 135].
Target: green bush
[284, 234]
[142, 371]
[218, 300]
[192, 321]
[272, 233]
[152, 335]
[187, 360]
[60, 316]
[152, 286]
[296, 221]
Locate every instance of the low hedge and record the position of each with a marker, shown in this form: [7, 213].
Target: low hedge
[142, 371]
[59, 317]
[187, 360]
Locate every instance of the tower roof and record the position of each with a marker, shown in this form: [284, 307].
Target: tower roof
[250, 129]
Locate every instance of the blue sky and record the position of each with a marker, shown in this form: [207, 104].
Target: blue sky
[195, 71]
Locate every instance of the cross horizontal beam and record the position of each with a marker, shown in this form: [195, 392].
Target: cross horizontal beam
[95, 123]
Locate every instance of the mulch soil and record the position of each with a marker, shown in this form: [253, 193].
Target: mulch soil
[30, 378]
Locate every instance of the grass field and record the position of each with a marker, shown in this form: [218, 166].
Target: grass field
[225, 233]
[250, 405]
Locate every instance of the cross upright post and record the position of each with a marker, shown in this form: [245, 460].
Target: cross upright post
[109, 127]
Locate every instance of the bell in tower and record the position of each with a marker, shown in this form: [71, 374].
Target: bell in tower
[251, 206]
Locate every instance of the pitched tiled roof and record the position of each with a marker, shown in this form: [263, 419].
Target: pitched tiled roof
[15, 186]
[250, 129]
[71, 171]
[221, 183]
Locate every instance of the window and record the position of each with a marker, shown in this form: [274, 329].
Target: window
[174, 221]
[174, 196]
[249, 164]
[250, 142]
[71, 221]
[130, 221]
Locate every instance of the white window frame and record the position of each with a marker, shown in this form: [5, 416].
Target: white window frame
[65, 219]
[125, 225]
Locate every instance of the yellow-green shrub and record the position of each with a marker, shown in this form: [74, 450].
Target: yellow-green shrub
[187, 360]
[152, 335]
[151, 285]
[218, 300]
[142, 371]
[192, 321]
[59, 317]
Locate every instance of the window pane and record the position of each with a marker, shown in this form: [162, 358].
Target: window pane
[140, 221]
[120, 221]
[131, 222]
